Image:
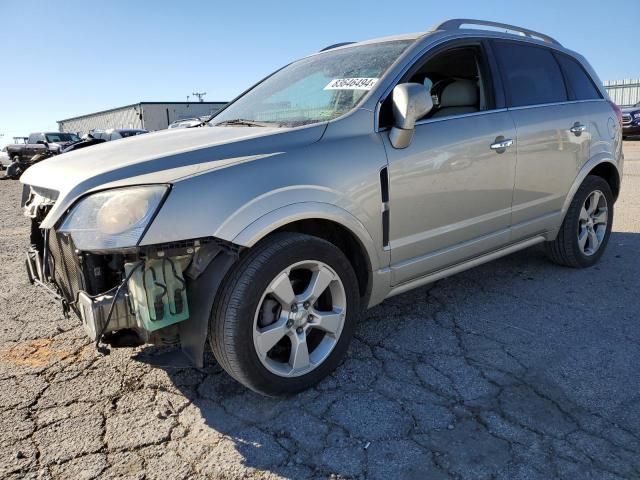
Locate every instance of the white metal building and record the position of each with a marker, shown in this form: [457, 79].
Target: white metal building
[148, 115]
[624, 93]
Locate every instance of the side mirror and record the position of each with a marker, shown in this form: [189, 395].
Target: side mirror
[411, 101]
[41, 142]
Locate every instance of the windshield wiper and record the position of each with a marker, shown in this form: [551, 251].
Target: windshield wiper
[245, 122]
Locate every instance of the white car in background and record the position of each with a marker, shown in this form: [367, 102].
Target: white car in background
[188, 122]
[5, 161]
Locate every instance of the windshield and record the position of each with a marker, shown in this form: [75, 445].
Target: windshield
[314, 89]
[62, 137]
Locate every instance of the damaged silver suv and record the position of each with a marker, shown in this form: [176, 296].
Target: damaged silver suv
[344, 178]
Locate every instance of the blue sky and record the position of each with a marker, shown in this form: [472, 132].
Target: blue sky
[65, 58]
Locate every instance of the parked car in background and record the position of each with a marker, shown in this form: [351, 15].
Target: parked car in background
[40, 141]
[5, 160]
[187, 122]
[116, 133]
[349, 176]
[82, 143]
[631, 121]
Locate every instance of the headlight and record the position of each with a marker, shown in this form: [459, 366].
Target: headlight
[114, 218]
[636, 116]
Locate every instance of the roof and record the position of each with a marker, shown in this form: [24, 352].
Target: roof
[139, 104]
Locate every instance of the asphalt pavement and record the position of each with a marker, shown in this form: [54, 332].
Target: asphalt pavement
[519, 369]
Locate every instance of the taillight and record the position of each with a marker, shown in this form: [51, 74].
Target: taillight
[616, 109]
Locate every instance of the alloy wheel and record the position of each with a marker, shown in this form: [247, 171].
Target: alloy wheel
[592, 225]
[299, 318]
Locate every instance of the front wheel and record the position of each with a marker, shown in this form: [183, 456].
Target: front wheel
[585, 232]
[286, 314]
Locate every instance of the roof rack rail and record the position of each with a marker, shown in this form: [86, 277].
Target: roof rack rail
[335, 45]
[456, 23]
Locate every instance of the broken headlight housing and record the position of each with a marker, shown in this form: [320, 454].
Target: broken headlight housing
[114, 218]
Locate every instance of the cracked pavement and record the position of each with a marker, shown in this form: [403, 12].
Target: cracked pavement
[518, 369]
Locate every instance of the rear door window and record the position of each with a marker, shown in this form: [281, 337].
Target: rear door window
[531, 74]
[580, 84]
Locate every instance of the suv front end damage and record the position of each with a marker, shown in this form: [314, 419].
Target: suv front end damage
[125, 295]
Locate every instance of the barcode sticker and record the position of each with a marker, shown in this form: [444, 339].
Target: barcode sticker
[351, 84]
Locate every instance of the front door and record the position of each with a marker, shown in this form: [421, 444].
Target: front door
[450, 192]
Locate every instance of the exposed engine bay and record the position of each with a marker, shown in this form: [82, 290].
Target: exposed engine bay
[127, 297]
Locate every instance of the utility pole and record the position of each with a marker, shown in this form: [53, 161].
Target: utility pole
[188, 97]
[199, 95]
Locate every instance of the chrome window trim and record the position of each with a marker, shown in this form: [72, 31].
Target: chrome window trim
[568, 102]
[464, 115]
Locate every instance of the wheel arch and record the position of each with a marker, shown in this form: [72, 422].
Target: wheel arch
[325, 221]
[609, 172]
[601, 167]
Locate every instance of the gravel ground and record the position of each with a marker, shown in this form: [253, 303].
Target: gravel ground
[515, 370]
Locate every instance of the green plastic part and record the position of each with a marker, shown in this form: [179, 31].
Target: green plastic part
[159, 293]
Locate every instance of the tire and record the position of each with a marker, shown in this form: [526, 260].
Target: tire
[566, 249]
[14, 171]
[248, 305]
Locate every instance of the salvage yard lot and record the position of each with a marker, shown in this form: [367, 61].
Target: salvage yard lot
[516, 369]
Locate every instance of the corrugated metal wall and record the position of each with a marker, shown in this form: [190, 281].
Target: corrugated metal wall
[624, 93]
[125, 117]
[157, 116]
[152, 116]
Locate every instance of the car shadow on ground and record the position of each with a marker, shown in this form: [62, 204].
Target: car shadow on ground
[515, 369]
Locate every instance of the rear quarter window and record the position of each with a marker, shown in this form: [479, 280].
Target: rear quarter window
[531, 74]
[580, 84]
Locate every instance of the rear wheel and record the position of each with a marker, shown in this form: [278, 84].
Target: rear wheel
[286, 314]
[585, 232]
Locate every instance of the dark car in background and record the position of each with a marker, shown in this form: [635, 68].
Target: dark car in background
[631, 121]
[39, 143]
[116, 133]
[94, 137]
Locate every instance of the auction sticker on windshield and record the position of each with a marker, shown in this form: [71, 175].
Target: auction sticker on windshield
[351, 84]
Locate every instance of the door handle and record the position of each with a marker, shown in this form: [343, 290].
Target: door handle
[577, 129]
[501, 144]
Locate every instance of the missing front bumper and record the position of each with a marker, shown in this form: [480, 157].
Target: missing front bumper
[154, 298]
[209, 264]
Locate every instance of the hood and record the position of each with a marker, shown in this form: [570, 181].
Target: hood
[630, 109]
[160, 157]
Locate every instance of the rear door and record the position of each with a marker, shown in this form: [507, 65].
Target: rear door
[553, 136]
